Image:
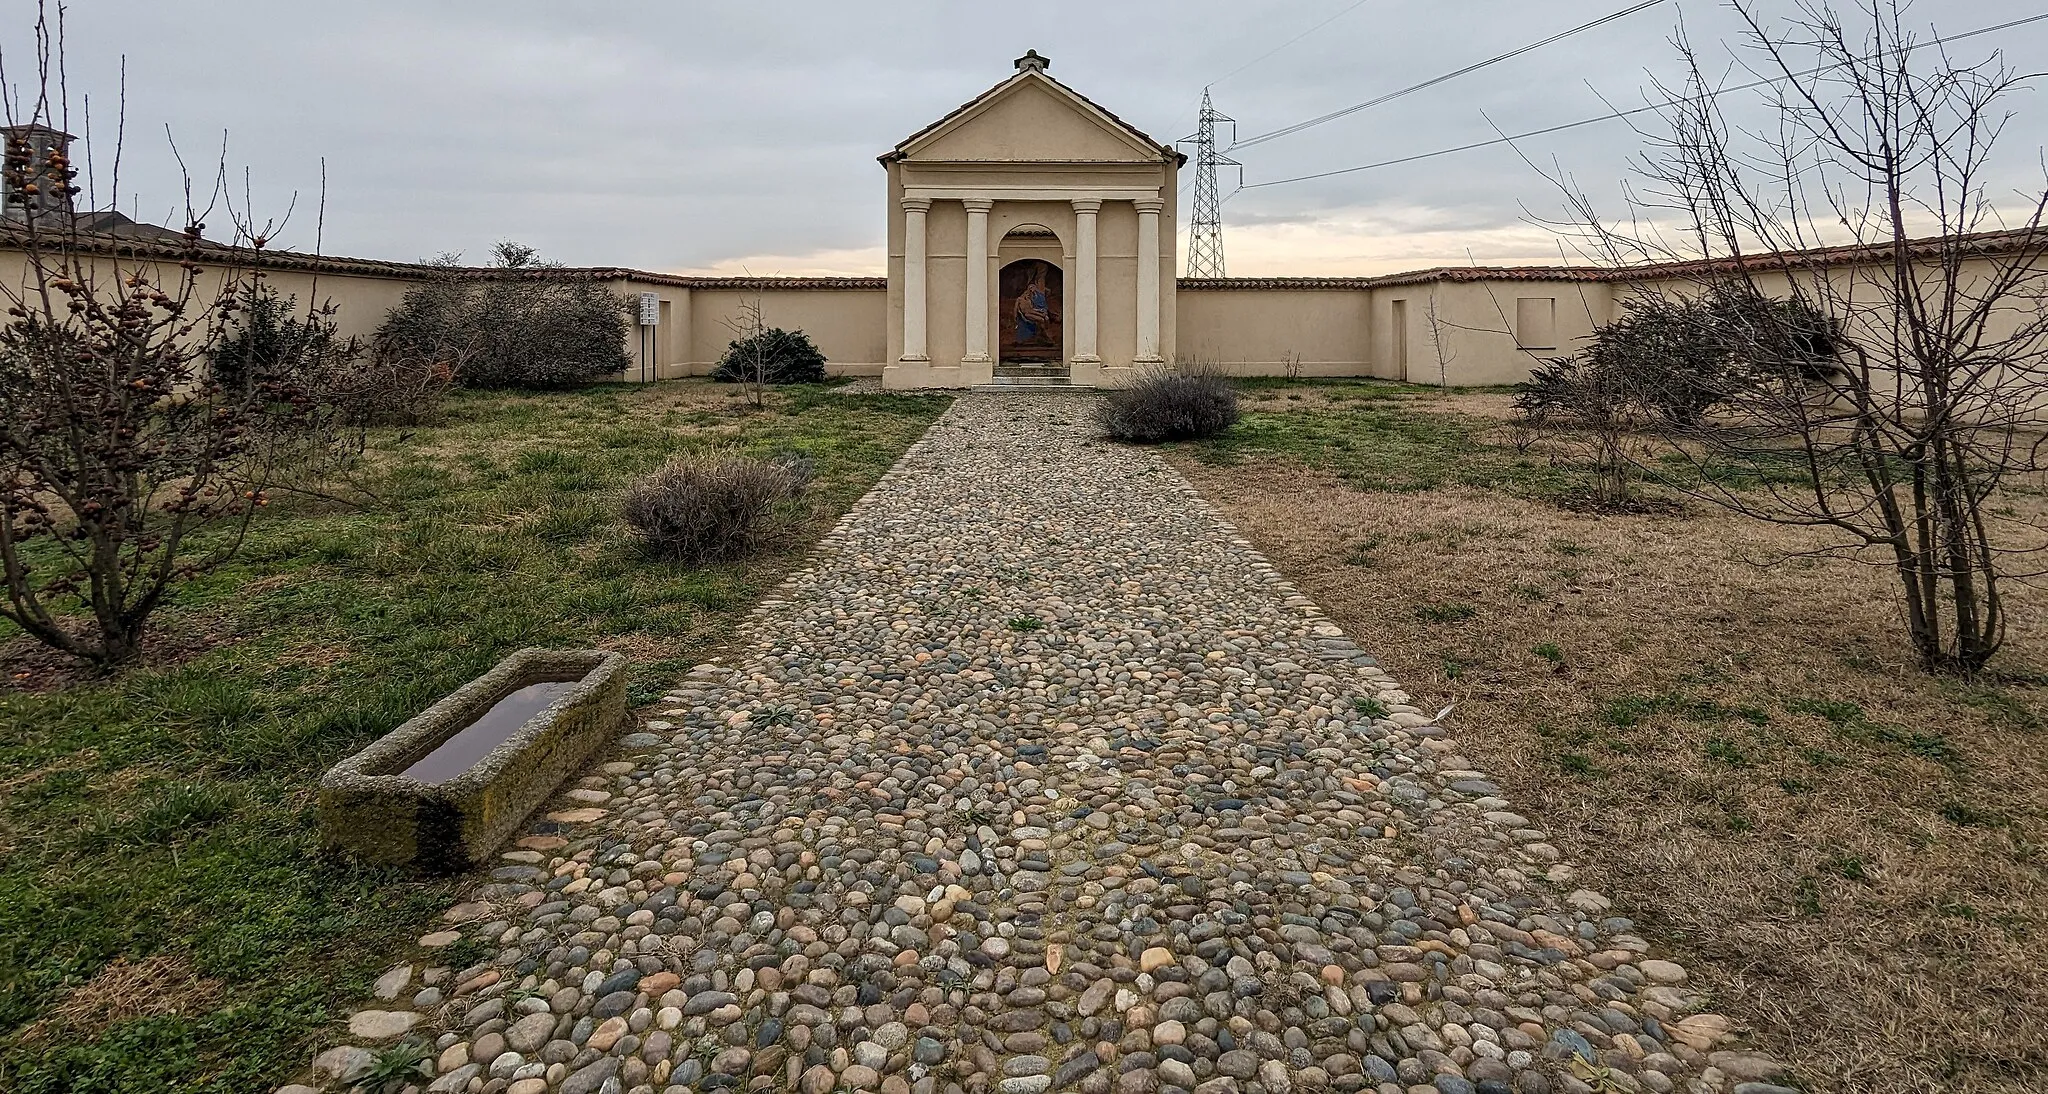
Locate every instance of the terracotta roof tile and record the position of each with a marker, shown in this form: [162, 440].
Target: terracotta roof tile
[139, 247]
[1981, 244]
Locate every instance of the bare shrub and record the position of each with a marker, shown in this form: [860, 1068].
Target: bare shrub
[516, 325]
[711, 506]
[390, 386]
[1168, 405]
[1587, 407]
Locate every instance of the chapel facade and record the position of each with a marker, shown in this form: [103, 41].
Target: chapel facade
[1031, 241]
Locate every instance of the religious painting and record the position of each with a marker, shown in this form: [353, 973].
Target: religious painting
[1030, 312]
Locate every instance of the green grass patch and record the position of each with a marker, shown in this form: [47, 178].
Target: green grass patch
[1378, 435]
[1361, 553]
[1852, 723]
[1387, 445]
[170, 811]
[1726, 751]
[1965, 815]
[1629, 711]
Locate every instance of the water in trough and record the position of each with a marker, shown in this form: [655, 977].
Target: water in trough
[460, 752]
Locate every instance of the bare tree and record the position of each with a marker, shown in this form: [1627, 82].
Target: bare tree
[1891, 356]
[117, 445]
[1440, 343]
[753, 356]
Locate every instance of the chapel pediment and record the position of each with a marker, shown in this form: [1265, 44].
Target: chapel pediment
[1032, 118]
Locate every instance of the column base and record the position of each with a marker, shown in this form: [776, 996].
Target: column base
[909, 375]
[1085, 359]
[1116, 375]
[976, 359]
[1149, 359]
[914, 359]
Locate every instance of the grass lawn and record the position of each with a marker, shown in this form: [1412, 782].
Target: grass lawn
[1731, 743]
[166, 921]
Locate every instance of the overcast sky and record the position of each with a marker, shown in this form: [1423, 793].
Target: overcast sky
[687, 136]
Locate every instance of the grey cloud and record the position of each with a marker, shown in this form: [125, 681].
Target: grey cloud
[682, 135]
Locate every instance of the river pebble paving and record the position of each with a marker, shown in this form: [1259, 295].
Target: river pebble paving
[1039, 779]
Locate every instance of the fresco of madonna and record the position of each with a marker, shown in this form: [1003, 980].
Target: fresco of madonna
[1030, 312]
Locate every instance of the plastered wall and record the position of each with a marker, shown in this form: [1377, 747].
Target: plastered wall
[1426, 328]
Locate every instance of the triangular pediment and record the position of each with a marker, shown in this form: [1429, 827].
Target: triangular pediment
[1031, 117]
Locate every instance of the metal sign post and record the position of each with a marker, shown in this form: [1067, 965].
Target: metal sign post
[650, 319]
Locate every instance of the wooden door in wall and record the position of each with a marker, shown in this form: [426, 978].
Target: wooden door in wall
[1030, 311]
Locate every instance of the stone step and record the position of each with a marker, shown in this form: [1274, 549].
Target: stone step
[1060, 379]
[1015, 384]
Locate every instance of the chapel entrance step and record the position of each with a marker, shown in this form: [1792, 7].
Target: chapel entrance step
[1032, 376]
[1025, 383]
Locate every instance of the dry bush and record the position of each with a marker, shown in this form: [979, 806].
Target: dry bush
[711, 506]
[1162, 405]
[518, 325]
[390, 386]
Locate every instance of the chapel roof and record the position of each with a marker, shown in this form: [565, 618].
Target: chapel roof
[1032, 66]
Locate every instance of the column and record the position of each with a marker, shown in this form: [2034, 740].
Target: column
[1081, 312]
[914, 210]
[1148, 279]
[977, 279]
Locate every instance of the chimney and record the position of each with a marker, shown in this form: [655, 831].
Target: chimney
[38, 156]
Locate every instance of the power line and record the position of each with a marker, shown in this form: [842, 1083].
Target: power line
[1392, 95]
[1705, 96]
[1341, 14]
[1289, 42]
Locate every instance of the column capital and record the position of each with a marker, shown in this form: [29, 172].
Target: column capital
[1087, 205]
[1149, 205]
[917, 205]
[978, 205]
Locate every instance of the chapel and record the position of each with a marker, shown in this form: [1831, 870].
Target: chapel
[1031, 241]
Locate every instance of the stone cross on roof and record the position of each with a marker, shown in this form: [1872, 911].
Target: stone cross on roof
[1032, 62]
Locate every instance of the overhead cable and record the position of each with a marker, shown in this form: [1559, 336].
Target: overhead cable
[1390, 96]
[1289, 42]
[1703, 97]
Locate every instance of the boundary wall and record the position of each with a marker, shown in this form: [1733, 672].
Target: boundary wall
[1463, 326]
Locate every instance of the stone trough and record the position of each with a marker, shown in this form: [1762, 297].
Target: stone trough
[442, 791]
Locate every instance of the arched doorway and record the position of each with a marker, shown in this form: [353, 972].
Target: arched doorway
[1031, 315]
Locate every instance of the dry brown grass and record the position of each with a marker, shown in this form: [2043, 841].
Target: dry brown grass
[1866, 891]
[124, 990]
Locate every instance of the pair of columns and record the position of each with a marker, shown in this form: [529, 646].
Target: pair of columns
[1081, 324]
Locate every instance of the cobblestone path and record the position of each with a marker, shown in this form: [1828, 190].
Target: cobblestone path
[1042, 779]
